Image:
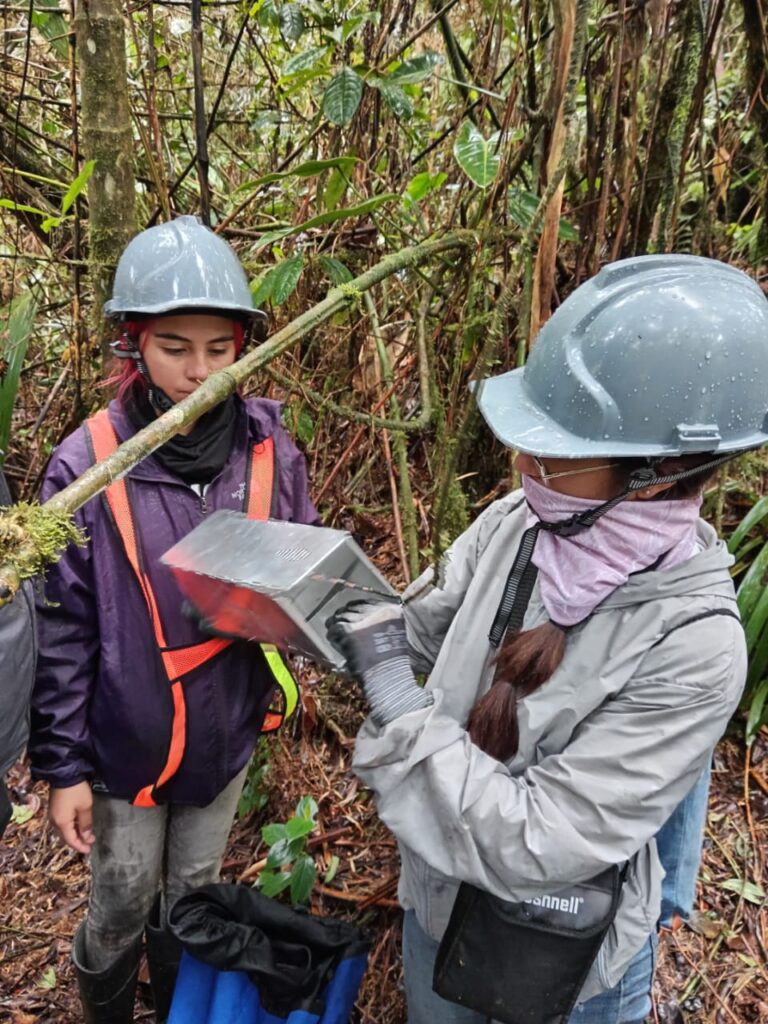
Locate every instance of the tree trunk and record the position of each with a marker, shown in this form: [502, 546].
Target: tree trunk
[107, 139]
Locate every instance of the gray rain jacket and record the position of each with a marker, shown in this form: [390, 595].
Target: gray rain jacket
[609, 745]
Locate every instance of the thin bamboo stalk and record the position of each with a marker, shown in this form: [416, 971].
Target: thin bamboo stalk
[223, 383]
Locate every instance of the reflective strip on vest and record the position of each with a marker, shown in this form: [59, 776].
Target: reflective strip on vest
[179, 662]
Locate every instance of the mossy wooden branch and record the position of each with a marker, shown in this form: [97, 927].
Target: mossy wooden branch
[218, 387]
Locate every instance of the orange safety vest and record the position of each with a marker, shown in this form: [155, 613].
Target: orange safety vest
[178, 662]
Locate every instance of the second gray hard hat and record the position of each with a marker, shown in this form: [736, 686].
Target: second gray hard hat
[656, 355]
[180, 265]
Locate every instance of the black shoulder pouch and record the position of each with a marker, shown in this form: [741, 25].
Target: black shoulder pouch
[526, 962]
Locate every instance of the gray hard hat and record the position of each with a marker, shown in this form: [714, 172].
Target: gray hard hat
[656, 355]
[180, 265]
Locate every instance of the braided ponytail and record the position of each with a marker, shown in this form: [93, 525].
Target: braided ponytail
[525, 662]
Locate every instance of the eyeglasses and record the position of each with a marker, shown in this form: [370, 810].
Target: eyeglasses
[544, 476]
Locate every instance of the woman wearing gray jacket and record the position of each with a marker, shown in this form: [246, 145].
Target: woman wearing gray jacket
[583, 649]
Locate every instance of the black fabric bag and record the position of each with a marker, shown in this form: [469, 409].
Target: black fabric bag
[526, 962]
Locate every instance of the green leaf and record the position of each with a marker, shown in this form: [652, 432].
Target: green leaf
[333, 867]
[335, 189]
[351, 25]
[285, 278]
[272, 834]
[328, 218]
[309, 169]
[307, 808]
[77, 185]
[279, 282]
[292, 23]
[21, 814]
[758, 712]
[749, 891]
[53, 27]
[756, 515]
[335, 270]
[395, 98]
[297, 827]
[302, 879]
[272, 883]
[48, 980]
[302, 61]
[752, 586]
[416, 69]
[523, 206]
[478, 158]
[423, 184]
[280, 854]
[9, 204]
[342, 97]
[15, 330]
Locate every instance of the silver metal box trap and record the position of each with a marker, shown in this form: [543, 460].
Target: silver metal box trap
[272, 581]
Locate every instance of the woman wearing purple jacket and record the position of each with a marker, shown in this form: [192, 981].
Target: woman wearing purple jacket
[141, 724]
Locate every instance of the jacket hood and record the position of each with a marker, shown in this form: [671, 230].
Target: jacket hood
[706, 573]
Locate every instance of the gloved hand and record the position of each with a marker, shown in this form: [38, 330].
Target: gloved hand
[371, 636]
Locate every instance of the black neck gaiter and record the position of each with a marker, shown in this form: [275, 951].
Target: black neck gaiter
[200, 455]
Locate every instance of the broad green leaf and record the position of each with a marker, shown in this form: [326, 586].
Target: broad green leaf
[756, 514]
[478, 157]
[295, 828]
[335, 269]
[342, 97]
[280, 854]
[395, 97]
[328, 218]
[302, 879]
[307, 808]
[416, 69]
[749, 891]
[292, 23]
[523, 206]
[272, 834]
[272, 883]
[423, 184]
[77, 185]
[758, 712]
[302, 61]
[279, 282]
[15, 330]
[285, 278]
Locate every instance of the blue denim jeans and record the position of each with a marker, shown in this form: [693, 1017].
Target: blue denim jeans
[629, 1002]
[679, 845]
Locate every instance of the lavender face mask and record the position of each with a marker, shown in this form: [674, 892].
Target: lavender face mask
[577, 573]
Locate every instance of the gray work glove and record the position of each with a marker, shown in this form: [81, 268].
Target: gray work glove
[371, 636]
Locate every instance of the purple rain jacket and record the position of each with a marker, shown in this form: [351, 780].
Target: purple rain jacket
[102, 707]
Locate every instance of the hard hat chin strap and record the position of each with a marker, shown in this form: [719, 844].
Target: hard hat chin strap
[522, 576]
[125, 347]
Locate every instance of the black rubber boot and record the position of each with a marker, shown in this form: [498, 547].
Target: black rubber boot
[107, 996]
[163, 957]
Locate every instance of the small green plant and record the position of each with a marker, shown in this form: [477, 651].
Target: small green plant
[289, 865]
[256, 789]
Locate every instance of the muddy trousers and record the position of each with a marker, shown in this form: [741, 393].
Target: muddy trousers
[140, 851]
